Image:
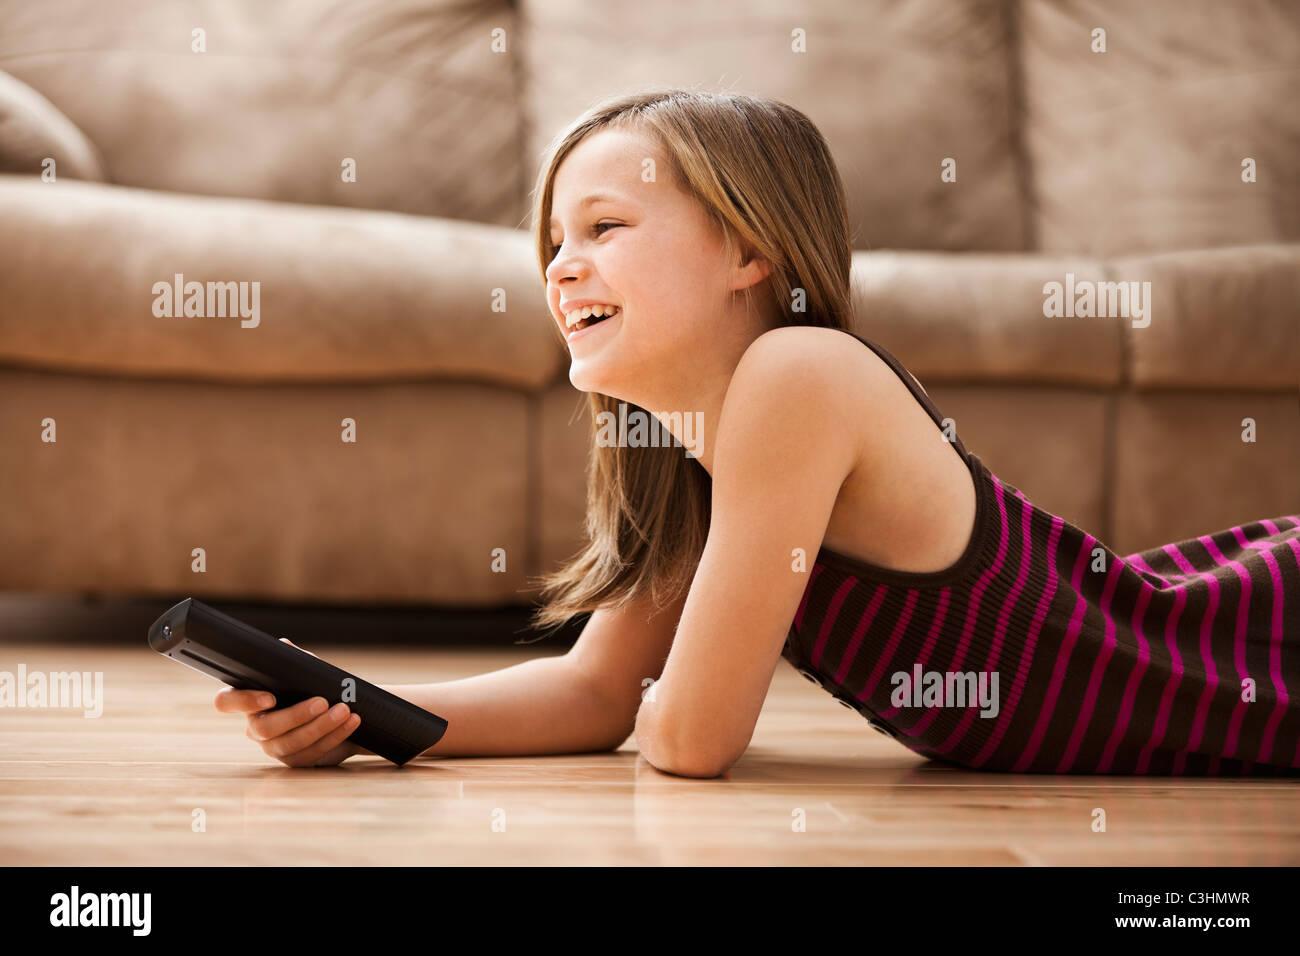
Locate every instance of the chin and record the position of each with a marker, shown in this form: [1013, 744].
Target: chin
[587, 379]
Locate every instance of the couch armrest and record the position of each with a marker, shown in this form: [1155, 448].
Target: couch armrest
[342, 295]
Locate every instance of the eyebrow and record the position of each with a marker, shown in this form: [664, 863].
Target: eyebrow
[592, 199]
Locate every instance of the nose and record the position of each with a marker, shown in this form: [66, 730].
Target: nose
[562, 265]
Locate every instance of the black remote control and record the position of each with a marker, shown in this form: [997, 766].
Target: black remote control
[234, 653]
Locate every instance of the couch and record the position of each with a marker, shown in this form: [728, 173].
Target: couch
[212, 142]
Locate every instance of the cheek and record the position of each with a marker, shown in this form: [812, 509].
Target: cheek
[693, 268]
[651, 272]
[667, 283]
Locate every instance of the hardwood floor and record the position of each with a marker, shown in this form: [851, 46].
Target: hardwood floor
[123, 788]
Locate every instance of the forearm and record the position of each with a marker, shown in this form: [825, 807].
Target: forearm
[540, 706]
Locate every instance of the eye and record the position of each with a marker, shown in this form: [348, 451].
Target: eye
[596, 228]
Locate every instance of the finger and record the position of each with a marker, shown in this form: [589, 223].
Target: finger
[230, 700]
[275, 723]
[300, 738]
[319, 751]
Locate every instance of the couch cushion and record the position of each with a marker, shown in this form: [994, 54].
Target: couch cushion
[32, 130]
[979, 318]
[285, 91]
[1221, 318]
[1182, 468]
[344, 295]
[1139, 149]
[894, 87]
[144, 471]
[1048, 442]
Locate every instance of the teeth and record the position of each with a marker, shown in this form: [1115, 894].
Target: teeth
[587, 311]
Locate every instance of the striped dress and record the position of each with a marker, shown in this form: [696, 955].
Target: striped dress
[1182, 659]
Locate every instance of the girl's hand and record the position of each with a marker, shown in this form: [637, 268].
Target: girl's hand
[305, 734]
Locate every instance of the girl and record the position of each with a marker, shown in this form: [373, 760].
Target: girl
[696, 253]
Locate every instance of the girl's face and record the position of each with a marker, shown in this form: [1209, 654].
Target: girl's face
[647, 247]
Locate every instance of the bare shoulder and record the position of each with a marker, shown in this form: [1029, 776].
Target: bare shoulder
[839, 358]
[810, 341]
[825, 360]
[804, 388]
[817, 369]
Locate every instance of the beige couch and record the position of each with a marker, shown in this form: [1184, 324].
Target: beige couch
[410, 301]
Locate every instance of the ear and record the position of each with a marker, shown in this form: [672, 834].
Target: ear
[752, 270]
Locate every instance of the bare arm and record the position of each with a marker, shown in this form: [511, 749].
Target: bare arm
[540, 706]
[584, 700]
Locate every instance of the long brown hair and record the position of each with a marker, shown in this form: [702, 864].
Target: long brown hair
[765, 174]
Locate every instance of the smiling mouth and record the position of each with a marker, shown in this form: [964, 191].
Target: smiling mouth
[593, 320]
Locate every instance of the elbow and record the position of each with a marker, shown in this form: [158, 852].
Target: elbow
[687, 757]
[703, 768]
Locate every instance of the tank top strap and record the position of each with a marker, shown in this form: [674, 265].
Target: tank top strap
[913, 386]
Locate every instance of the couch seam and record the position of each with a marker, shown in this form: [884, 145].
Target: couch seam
[1018, 110]
[1110, 427]
[524, 178]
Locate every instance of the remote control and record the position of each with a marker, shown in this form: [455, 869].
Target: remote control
[237, 654]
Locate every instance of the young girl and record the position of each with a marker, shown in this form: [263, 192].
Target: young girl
[696, 253]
